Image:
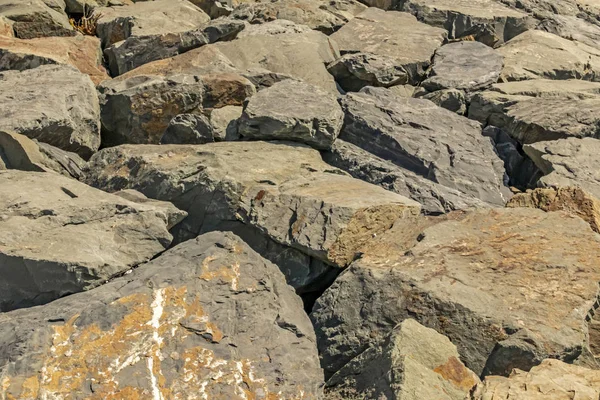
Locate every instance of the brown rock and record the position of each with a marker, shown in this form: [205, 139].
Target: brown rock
[6, 29]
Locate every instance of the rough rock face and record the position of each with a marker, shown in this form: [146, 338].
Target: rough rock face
[567, 162]
[464, 65]
[551, 380]
[414, 363]
[392, 34]
[55, 104]
[509, 287]
[209, 317]
[537, 54]
[284, 190]
[33, 18]
[82, 52]
[295, 111]
[423, 138]
[188, 129]
[6, 29]
[224, 122]
[59, 236]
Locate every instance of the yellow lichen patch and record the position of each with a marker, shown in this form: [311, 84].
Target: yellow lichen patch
[456, 373]
[229, 274]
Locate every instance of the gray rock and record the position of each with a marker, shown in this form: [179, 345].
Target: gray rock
[414, 363]
[214, 8]
[451, 99]
[509, 287]
[59, 236]
[188, 129]
[174, 214]
[464, 65]
[427, 140]
[391, 34]
[55, 104]
[224, 122]
[572, 28]
[295, 111]
[434, 198]
[33, 19]
[209, 317]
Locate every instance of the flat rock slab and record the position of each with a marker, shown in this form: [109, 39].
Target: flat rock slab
[464, 65]
[59, 236]
[34, 18]
[284, 190]
[427, 140]
[148, 18]
[487, 21]
[393, 34]
[209, 317]
[538, 110]
[295, 111]
[55, 104]
[551, 380]
[509, 287]
[82, 52]
[568, 162]
[537, 54]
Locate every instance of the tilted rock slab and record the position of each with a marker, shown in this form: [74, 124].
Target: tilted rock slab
[423, 138]
[209, 318]
[509, 287]
[55, 104]
[34, 18]
[59, 236]
[393, 34]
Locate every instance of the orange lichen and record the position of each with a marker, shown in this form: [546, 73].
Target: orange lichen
[456, 373]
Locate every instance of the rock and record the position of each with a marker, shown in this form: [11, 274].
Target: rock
[224, 122]
[33, 18]
[551, 380]
[209, 317]
[538, 110]
[148, 18]
[174, 215]
[20, 152]
[486, 21]
[567, 162]
[295, 111]
[139, 109]
[427, 140]
[414, 363]
[6, 28]
[537, 54]
[356, 70]
[55, 104]
[466, 66]
[214, 8]
[391, 34]
[82, 52]
[284, 190]
[571, 28]
[434, 198]
[570, 199]
[129, 54]
[188, 129]
[451, 99]
[60, 236]
[509, 287]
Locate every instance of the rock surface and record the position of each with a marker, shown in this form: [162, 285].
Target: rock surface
[188, 129]
[55, 104]
[295, 111]
[33, 18]
[60, 236]
[209, 317]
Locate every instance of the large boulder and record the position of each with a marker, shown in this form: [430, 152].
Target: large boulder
[393, 34]
[210, 318]
[354, 71]
[82, 52]
[425, 139]
[34, 18]
[509, 287]
[55, 104]
[59, 236]
[295, 111]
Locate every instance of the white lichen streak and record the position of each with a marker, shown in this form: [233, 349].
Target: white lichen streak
[236, 278]
[157, 306]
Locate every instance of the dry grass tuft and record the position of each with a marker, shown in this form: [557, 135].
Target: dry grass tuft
[87, 23]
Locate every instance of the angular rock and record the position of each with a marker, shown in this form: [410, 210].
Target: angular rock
[451, 99]
[33, 18]
[464, 65]
[572, 28]
[148, 18]
[356, 70]
[414, 363]
[551, 380]
[6, 29]
[208, 318]
[567, 162]
[188, 129]
[174, 215]
[434, 198]
[295, 111]
[509, 287]
[537, 54]
[224, 122]
[486, 21]
[427, 140]
[59, 236]
[283, 189]
[82, 52]
[392, 34]
[55, 104]
[215, 8]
